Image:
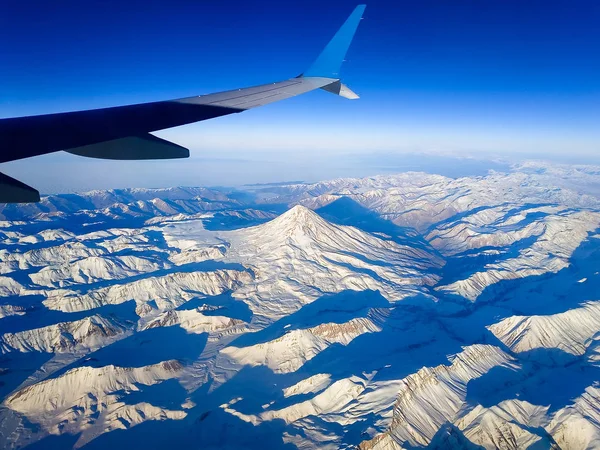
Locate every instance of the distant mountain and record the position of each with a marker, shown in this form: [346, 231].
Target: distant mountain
[399, 311]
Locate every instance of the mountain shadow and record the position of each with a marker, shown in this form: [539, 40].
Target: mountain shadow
[346, 211]
[555, 385]
[215, 430]
[226, 306]
[16, 367]
[39, 316]
[335, 308]
[145, 348]
[450, 437]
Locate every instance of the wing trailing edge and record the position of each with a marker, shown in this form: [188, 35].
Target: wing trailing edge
[142, 147]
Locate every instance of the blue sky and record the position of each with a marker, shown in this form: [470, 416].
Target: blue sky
[495, 77]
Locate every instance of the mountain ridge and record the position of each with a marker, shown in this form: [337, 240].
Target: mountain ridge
[414, 310]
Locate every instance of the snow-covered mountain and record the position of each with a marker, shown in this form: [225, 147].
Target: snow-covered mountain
[390, 312]
[63, 337]
[299, 256]
[85, 400]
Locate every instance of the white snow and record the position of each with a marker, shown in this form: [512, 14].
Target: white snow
[91, 332]
[289, 352]
[329, 365]
[71, 402]
[309, 385]
[569, 331]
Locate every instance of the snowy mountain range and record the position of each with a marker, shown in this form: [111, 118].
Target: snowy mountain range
[391, 312]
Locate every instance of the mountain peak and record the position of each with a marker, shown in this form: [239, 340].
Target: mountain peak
[298, 216]
[300, 213]
[299, 225]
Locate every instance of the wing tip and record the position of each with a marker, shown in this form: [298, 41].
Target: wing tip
[341, 89]
[15, 191]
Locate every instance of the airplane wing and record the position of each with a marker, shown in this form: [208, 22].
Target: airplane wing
[123, 132]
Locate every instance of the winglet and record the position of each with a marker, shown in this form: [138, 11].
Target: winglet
[330, 60]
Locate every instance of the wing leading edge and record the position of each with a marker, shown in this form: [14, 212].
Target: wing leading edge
[122, 132]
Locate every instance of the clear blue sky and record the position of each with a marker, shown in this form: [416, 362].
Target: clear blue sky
[500, 76]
